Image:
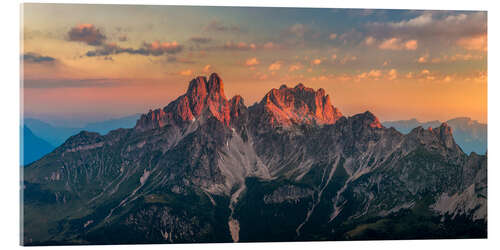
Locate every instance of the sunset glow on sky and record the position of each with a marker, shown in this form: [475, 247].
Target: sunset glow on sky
[89, 62]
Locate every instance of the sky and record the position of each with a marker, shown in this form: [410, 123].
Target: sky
[84, 63]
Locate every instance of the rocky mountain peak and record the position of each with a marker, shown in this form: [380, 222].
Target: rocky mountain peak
[368, 119]
[445, 134]
[286, 106]
[442, 135]
[215, 86]
[201, 95]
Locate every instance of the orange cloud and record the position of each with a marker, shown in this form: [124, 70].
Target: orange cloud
[332, 36]
[398, 44]
[425, 72]
[186, 72]
[474, 43]
[207, 68]
[275, 66]
[316, 61]
[457, 57]
[411, 45]
[392, 74]
[362, 75]
[252, 61]
[423, 59]
[158, 48]
[375, 73]
[294, 67]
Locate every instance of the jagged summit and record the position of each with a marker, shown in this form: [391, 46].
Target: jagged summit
[368, 119]
[442, 134]
[280, 107]
[445, 133]
[201, 95]
[286, 106]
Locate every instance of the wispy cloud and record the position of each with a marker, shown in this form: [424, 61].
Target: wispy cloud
[200, 40]
[297, 29]
[398, 44]
[479, 42]
[432, 25]
[31, 57]
[73, 83]
[186, 72]
[239, 46]
[218, 26]
[148, 49]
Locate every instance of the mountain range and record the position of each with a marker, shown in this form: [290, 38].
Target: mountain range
[41, 137]
[56, 135]
[32, 147]
[471, 135]
[291, 167]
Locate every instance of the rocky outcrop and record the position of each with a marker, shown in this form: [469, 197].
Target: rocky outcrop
[201, 96]
[285, 107]
[470, 135]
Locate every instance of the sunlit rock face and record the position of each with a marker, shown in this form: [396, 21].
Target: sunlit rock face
[287, 106]
[201, 95]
